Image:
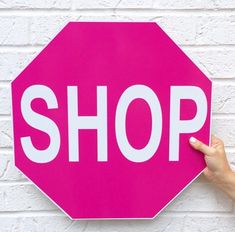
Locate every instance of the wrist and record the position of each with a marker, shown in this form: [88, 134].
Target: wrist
[226, 182]
[227, 176]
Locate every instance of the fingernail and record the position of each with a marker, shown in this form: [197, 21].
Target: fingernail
[192, 140]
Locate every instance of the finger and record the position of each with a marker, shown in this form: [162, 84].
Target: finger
[215, 141]
[200, 146]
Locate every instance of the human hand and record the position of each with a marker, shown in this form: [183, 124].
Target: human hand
[218, 170]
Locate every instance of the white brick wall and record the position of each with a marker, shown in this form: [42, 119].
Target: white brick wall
[205, 30]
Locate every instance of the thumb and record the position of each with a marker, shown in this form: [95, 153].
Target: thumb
[200, 146]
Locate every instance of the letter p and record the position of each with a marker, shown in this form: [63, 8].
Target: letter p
[178, 126]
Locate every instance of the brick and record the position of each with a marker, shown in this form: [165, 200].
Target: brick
[23, 197]
[215, 63]
[193, 4]
[14, 30]
[5, 101]
[12, 63]
[8, 171]
[223, 98]
[34, 4]
[5, 134]
[35, 224]
[199, 30]
[45, 28]
[225, 129]
[209, 223]
[101, 4]
[201, 197]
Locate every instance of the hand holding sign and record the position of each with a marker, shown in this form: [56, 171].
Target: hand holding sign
[218, 170]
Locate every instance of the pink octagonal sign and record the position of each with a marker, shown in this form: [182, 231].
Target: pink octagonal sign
[102, 118]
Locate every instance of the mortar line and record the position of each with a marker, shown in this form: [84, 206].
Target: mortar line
[113, 10]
